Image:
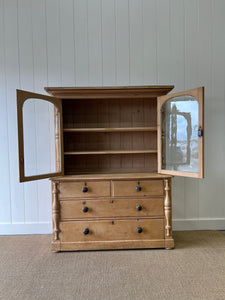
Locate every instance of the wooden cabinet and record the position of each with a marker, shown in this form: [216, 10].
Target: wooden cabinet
[113, 153]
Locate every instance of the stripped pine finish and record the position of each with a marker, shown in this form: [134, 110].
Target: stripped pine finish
[120, 200]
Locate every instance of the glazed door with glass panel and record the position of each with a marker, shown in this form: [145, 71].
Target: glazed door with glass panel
[39, 136]
[180, 133]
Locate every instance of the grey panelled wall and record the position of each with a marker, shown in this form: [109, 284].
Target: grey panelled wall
[112, 42]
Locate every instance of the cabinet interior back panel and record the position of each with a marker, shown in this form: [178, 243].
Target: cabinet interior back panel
[124, 151]
[118, 163]
[109, 141]
[111, 113]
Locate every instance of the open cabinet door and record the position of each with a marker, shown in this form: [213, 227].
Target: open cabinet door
[40, 144]
[180, 133]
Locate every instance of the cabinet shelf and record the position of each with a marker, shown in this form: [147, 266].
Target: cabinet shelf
[101, 129]
[110, 152]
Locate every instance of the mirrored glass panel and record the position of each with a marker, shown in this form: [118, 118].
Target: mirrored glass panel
[41, 137]
[179, 136]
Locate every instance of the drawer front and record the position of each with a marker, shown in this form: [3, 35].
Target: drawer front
[75, 209]
[137, 188]
[84, 189]
[108, 230]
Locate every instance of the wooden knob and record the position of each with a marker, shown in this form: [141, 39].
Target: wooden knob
[85, 209]
[84, 189]
[139, 207]
[139, 230]
[85, 231]
[138, 188]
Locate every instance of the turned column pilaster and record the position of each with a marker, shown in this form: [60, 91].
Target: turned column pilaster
[55, 211]
[167, 208]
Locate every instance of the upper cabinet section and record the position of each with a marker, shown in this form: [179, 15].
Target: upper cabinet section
[39, 136]
[180, 133]
[109, 129]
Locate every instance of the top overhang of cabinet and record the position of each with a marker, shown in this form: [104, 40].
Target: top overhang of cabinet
[109, 92]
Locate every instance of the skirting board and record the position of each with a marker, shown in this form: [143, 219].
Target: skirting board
[28, 228]
[199, 224]
[178, 225]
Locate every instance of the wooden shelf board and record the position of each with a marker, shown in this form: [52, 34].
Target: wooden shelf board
[100, 129]
[109, 152]
[147, 174]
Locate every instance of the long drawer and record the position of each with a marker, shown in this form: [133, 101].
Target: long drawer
[144, 188]
[76, 209]
[90, 189]
[108, 230]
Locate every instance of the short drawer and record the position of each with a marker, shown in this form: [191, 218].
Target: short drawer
[108, 230]
[84, 189]
[143, 188]
[76, 209]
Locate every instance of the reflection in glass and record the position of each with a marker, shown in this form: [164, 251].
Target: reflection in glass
[179, 123]
[39, 137]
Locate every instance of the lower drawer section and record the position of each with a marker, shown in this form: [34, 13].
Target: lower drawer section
[112, 230]
[111, 208]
